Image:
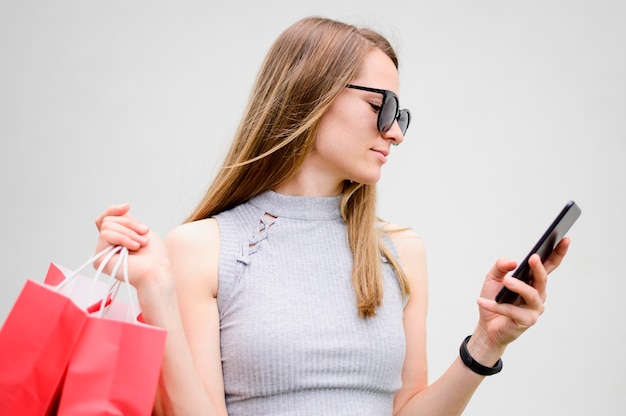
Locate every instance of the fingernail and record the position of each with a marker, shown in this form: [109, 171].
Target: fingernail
[134, 245]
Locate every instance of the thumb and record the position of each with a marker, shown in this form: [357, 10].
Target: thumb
[501, 268]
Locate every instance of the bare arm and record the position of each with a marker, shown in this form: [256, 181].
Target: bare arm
[497, 327]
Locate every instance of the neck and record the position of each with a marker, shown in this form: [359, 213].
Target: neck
[310, 185]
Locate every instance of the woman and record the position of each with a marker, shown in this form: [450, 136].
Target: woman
[283, 293]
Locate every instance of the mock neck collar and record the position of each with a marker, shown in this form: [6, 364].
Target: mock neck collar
[298, 207]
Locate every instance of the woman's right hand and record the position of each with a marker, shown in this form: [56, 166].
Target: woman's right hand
[147, 260]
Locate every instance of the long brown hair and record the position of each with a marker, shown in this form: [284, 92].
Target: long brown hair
[306, 68]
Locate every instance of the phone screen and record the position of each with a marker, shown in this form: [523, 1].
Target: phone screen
[548, 241]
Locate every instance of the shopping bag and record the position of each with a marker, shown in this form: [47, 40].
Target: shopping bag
[86, 292]
[36, 342]
[115, 366]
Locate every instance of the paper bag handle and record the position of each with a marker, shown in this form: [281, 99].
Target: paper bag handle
[108, 254]
[86, 264]
[122, 261]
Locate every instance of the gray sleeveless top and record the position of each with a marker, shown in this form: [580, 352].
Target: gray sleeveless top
[292, 342]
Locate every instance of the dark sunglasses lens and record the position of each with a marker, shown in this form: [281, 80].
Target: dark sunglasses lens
[403, 120]
[387, 114]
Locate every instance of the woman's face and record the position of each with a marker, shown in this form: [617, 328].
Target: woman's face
[349, 145]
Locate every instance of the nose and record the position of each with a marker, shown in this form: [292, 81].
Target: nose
[394, 134]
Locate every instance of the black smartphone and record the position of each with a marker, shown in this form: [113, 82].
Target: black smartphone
[548, 241]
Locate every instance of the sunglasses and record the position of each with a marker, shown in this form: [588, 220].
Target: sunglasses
[389, 110]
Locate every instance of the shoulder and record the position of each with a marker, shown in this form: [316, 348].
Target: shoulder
[408, 243]
[411, 252]
[193, 250]
[193, 239]
[193, 231]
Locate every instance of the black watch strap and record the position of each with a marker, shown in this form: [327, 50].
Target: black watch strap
[474, 365]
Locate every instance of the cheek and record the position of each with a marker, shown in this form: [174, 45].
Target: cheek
[340, 124]
[344, 110]
[334, 139]
[328, 133]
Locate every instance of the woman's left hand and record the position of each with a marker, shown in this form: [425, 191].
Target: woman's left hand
[501, 324]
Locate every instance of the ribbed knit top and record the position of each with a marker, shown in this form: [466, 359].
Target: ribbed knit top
[292, 342]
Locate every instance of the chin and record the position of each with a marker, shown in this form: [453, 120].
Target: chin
[367, 180]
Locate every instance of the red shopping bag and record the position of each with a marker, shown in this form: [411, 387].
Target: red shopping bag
[115, 367]
[36, 343]
[86, 292]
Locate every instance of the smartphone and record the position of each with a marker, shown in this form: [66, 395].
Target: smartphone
[548, 241]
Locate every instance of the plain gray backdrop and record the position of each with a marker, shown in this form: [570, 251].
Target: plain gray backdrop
[518, 107]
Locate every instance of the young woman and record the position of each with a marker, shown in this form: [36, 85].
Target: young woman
[284, 293]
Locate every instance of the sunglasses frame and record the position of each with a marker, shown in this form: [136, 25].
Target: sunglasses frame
[387, 95]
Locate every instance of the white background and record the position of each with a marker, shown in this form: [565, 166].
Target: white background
[518, 107]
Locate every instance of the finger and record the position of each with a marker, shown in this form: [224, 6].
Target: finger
[115, 233]
[531, 297]
[113, 210]
[108, 267]
[522, 317]
[524, 314]
[557, 255]
[127, 221]
[501, 268]
[540, 276]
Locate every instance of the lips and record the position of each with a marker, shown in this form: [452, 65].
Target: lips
[382, 154]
